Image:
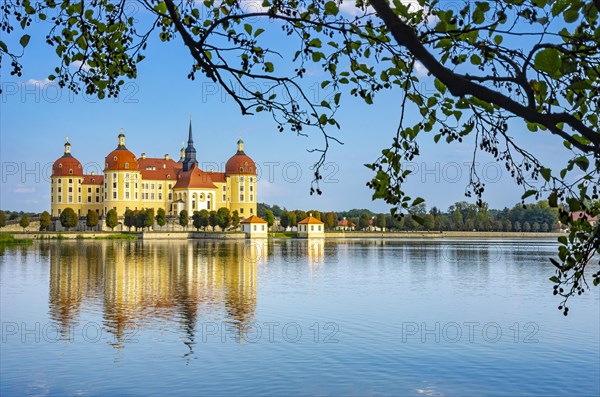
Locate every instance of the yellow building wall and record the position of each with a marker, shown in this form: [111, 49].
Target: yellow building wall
[66, 192]
[122, 191]
[241, 191]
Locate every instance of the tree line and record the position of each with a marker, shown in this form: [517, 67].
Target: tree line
[460, 216]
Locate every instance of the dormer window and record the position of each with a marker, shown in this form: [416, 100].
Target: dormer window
[60, 165]
[71, 171]
[241, 169]
[115, 158]
[126, 166]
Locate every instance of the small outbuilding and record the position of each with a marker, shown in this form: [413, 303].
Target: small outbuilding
[311, 227]
[255, 227]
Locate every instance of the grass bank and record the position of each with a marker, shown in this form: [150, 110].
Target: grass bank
[283, 234]
[7, 239]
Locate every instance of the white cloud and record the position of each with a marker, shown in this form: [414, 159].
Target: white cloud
[79, 64]
[420, 69]
[38, 83]
[22, 189]
[270, 191]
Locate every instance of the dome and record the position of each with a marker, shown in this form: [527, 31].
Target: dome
[240, 163]
[67, 165]
[121, 159]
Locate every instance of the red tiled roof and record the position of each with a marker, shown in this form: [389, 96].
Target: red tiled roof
[344, 222]
[158, 168]
[217, 176]
[67, 165]
[239, 163]
[310, 220]
[195, 178]
[253, 219]
[93, 179]
[581, 214]
[121, 159]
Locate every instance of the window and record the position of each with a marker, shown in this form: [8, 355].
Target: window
[136, 177]
[105, 195]
[160, 196]
[319, 228]
[79, 189]
[263, 228]
[70, 180]
[135, 186]
[114, 185]
[241, 188]
[60, 199]
[160, 185]
[251, 188]
[252, 210]
[59, 189]
[241, 197]
[251, 179]
[70, 199]
[136, 195]
[59, 181]
[241, 179]
[114, 195]
[170, 196]
[251, 198]
[224, 197]
[79, 199]
[224, 187]
[126, 195]
[126, 185]
[89, 189]
[127, 174]
[151, 196]
[254, 227]
[70, 171]
[97, 199]
[89, 200]
[152, 186]
[70, 189]
[170, 185]
[97, 190]
[115, 174]
[241, 210]
[312, 228]
[126, 166]
[241, 169]
[250, 169]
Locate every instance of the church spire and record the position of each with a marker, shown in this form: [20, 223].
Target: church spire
[190, 151]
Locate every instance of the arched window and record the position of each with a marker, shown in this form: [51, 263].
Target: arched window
[194, 198]
[60, 165]
[70, 171]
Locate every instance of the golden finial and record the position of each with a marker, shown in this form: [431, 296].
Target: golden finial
[67, 139]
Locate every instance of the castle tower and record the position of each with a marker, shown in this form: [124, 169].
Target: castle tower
[190, 152]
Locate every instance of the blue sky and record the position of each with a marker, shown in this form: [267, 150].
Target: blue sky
[154, 112]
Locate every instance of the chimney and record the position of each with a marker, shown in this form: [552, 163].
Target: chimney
[143, 156]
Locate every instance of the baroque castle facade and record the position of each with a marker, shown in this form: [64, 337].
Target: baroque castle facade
[133, 183]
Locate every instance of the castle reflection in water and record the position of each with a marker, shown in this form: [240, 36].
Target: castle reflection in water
[138, 284]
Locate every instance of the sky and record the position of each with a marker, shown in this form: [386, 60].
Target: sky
[154, 111]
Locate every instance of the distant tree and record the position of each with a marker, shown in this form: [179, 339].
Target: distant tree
[24, 222]
[276, 210]
[517, 226]
[68, 218]
[535, 227]
[212, 219]
[428, 221]
[300, 215]
[129, 219]
[149, 218]
[507, 225]
[91, 219]
[140, 219]
[363, 221]
[235, 219]
[390, 222]
[161, 217]
[204, 216]
[315, 214]
[293, 219]
[223, 218]
[184, 219]
[196, 220]
[2, 219]
[45, 221]
[112, 220]
[381, 221]
[270, 218]
[284, 219]
[526, 227]
[545, 227]
[330, 220]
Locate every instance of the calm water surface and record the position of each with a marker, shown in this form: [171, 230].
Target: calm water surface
[442, 318]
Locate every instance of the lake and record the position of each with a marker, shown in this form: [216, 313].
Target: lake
[288, 317]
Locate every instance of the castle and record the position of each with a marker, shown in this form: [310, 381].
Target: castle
[135, 183]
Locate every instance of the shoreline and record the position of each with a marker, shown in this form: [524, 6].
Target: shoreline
[189, 235]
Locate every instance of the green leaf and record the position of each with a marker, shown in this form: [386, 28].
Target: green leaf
[269, 67]
[528, 193]
[546, 173]
[258, 32]
[331, 8]
[24, 40]
[439, 86]
[248, 28]
[548, 60]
